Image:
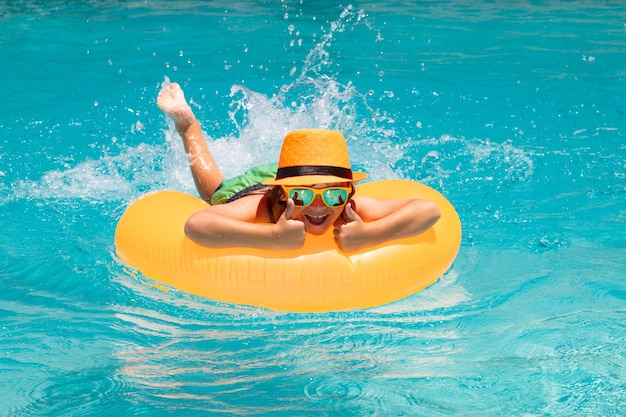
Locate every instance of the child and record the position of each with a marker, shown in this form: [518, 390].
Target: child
[275, 206]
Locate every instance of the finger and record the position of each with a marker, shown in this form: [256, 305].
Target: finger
[351, 214]
[289, 209]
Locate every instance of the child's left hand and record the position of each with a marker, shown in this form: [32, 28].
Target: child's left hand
[351, 236]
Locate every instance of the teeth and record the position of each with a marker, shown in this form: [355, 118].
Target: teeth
[317, 219]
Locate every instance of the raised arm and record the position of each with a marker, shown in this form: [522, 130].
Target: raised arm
[372, 221]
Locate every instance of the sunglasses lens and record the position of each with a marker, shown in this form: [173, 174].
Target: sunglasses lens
[301, 196]
[334, 197]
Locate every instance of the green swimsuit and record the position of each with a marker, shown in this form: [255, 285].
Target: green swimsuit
[242, 185]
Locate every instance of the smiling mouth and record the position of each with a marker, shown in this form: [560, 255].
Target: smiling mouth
[316, 220]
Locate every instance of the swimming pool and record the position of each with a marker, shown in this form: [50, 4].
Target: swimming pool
[516, 113]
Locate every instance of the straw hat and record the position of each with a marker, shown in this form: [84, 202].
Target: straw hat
[314, 156]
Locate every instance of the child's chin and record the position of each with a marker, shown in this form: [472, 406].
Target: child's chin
[318, 229]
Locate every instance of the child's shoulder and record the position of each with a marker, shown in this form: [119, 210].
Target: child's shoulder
[250, 208]
[365, 199]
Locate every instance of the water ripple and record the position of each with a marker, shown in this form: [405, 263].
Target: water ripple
[75, 392]
[335, 389]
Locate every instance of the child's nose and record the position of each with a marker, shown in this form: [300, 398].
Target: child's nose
[317, 201]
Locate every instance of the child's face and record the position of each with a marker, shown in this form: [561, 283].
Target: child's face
[318, 217]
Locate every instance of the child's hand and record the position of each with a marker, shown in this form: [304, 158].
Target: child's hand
[351, 236]
[290, 234]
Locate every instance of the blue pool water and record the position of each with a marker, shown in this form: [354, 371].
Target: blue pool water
[516, 112]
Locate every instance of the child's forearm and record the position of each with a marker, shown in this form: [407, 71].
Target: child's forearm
[224, 232]
[212, 230]
[409, 218]
[413, 218]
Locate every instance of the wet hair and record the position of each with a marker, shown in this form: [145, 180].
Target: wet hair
[275, 199]
[343, 212]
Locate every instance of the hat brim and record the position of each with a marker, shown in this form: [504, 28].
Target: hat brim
[315, 179]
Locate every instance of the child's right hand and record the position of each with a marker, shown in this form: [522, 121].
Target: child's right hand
[290, 233]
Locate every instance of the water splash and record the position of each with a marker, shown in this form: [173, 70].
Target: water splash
[129, 174]
[314, 98]
[450, 160]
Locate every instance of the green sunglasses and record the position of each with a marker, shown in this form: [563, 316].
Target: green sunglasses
[331, 196]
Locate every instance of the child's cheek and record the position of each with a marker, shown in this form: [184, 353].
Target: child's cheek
[297, 214]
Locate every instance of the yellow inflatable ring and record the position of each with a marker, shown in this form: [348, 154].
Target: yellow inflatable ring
[315, 278]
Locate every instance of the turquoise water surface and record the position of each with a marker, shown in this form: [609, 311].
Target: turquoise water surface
[516, 112]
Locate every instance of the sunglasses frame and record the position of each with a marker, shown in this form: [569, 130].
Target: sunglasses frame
[320, 192]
